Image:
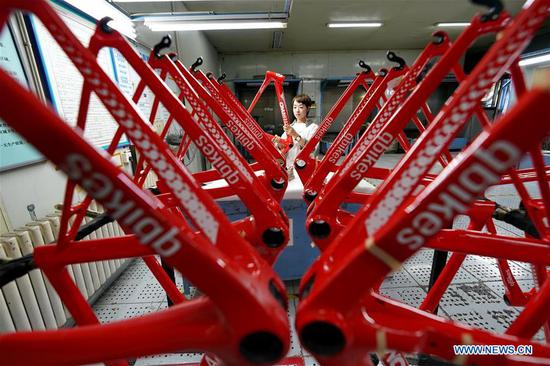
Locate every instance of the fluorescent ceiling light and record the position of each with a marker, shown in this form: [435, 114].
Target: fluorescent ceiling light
[354, 25]
[99, 9]
[452, 24]
[212, 25]
[535, 60]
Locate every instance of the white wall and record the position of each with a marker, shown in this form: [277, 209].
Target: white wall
[311, 67]
[307, 65]
[38, 184]
[188, 45]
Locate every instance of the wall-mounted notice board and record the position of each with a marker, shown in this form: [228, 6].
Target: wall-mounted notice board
[63, 81]
[14, 150]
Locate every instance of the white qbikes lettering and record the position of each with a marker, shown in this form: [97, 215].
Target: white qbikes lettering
[485, 170]
[379, 146]
[387, 111]
[340, 148]
[233, 122]
[147, 229]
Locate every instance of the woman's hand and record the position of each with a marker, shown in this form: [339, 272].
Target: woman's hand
[290, 131]
[276, 140]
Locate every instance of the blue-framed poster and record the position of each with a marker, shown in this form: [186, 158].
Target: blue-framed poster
[14, 150]
[64, 82]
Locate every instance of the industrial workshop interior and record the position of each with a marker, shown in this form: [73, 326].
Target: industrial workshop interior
[274, 182]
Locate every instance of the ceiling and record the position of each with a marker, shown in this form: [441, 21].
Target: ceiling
[407, 23]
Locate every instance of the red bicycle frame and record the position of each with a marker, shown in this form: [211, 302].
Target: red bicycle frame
[357, 321]
[306, 164]
[249, 134]
[269, 231]
[278, 81]
[229, 268]
[241, 111]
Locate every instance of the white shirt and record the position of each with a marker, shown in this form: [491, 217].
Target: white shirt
[306, 131]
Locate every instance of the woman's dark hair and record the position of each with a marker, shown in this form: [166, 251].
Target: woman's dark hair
[304, 99]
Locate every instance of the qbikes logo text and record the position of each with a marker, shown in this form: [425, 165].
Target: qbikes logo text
[222, 161]
[233, 121]
[148, 230]
[486, 169]
[368, 157]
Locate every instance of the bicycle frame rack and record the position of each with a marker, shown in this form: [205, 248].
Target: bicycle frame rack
[357, 321]
[158, 230]
[370, 101]
[243, 113]
[211, 141]
[242, 317]
[278, 81]
[398, 110]
[306, 164]
[247, 131]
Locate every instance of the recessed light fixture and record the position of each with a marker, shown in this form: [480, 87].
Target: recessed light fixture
[205, 26]
[535, 60]
[452, 24]
[354, 24]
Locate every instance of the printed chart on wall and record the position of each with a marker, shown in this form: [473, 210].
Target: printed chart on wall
[128, 80]
[65, 82]
[14, 151]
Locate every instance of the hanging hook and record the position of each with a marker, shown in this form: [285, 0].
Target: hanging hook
[103, 24]
[394, 58]
[495, 8]
[439, 37]
[196, 64]
[222, 78]
[363, 65]
[165, 42]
